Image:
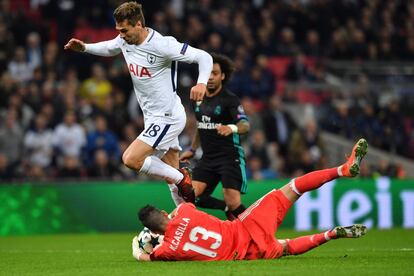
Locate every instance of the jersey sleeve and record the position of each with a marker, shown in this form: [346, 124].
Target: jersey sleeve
[236, 110]
[180, 206]
[162, 253]
[174, 50]
[105, 48]
[185, 205]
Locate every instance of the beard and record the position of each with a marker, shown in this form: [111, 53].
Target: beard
[211, 88]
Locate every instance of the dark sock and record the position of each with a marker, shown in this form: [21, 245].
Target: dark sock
[238, 210]
[207, 201]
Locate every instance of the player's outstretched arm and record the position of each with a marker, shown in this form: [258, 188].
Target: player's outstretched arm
[104, 48]
[75, 45]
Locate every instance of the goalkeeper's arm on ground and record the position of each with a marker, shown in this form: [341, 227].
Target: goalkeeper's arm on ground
[137, 253]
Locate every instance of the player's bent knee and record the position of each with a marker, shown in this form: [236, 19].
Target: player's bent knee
[232, 206]
[232, 197]
[232, 202]
[131, 161]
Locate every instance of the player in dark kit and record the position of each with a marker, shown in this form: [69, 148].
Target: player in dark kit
[220, 121]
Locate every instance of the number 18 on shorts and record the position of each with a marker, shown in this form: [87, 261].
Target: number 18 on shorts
[161, 135]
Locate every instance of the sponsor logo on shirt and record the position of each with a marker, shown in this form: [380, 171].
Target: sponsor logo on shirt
[201, 125]
[138, 71]
[206, 123]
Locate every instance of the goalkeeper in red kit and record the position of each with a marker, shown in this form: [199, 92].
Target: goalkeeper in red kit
[192, 235]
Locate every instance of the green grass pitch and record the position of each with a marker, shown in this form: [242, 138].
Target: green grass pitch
[388, 252]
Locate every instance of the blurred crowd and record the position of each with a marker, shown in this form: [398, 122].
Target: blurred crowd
[70, 115]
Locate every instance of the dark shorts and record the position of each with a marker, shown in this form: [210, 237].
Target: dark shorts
[232, 175]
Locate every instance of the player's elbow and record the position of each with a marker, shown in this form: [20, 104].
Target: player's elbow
[206, 58]
[247, 125]
[209, 59]
[244, 127]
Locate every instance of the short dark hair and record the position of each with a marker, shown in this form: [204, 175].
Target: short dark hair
[226, 65]
[131, 11]
[151, 217]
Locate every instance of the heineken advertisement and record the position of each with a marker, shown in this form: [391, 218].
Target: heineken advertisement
[112, 206]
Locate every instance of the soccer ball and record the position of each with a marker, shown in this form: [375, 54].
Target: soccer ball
[148, 240]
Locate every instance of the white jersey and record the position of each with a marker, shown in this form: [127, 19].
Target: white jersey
[153, 69]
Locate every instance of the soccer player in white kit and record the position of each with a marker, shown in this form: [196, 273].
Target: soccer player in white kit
[152, 62]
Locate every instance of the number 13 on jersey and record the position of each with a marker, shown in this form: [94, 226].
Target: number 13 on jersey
[200, 232]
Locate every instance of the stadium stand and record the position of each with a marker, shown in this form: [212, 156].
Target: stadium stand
[346, 65]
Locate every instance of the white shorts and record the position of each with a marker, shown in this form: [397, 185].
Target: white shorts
[161, 133]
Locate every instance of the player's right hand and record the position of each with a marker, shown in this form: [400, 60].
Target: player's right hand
[136, 251]
[75, 45]
[186, 156]
[198, 91]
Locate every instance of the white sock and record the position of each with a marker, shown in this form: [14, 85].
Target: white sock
[340, 170]
[293, 187]
[174, 194]
[155, 167]
[326, 235]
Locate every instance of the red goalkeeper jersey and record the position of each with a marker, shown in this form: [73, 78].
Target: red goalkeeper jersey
[193, 235]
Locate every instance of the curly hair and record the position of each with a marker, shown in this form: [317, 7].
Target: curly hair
[226, 65]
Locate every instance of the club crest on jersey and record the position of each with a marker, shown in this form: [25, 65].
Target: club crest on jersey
[217, 110]
[198, 103]
[151, 58]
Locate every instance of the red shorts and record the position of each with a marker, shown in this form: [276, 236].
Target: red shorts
[261, 220]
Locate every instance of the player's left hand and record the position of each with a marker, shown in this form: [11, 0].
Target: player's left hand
[136, 251]
[197, 92]
[186, 156]
[224, 130]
